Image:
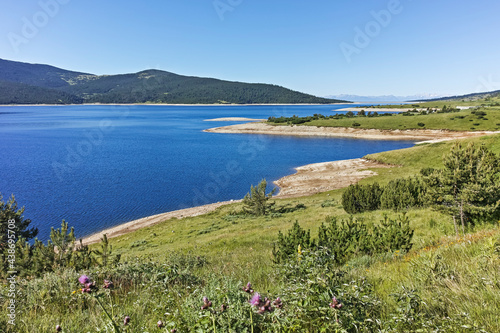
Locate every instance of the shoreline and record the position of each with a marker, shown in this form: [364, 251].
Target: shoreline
[307, 180]
[369, 109]
[131, 226]
[419, 135]
[234, 119]
[166, 104]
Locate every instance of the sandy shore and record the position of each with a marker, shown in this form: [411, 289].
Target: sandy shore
[357, 109]
[321, 177]
[415, 135]
[234, 119]
[152, 220]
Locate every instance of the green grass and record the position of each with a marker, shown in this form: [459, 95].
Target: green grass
[456, 121]
[463, 120]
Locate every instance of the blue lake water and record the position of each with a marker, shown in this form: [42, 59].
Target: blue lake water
[99, 166]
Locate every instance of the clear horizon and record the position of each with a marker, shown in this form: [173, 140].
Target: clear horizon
[386, 47]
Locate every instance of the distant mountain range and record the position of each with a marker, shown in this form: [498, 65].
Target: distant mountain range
[23, 83]
[383, 98]
[468, 97]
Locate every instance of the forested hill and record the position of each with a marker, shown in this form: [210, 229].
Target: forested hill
[23, 83]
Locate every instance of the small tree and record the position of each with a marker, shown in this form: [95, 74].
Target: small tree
[256, 201]
[468, 186]
[105, 251]
[63, 243]
[8, 212]
[288, 245]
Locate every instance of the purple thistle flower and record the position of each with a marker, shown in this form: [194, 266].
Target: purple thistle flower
[108, 284]
[206, 303]
[84, 279]
[126, 320]
[160, 324]
[255, 301]
[248, 288]
[277, 303]
[335, 303]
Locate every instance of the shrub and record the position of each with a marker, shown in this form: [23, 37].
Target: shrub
[358, 198]
[350, 238]
[288, 245]
[400, 194]
[256, 201]
[346, 239]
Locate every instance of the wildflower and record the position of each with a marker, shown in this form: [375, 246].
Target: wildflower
[160, 324]
[248, 288]
[335, 303]
[255, 301]
[206, 303]
[58, 328]
[84, 279]
[263, 305]
[108, 284]
[173, 330]
[277, 303]
[89, 287]
[223, 307]
[126, 320]
[267, 305]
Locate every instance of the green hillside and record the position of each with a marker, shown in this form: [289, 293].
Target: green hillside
[20, 93]
[150, 86]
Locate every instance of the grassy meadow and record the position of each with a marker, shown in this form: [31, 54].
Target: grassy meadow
[484, 116]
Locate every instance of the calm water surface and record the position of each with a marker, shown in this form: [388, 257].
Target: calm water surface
[99, 166]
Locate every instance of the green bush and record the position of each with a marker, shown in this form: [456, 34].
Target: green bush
[288, 245]
[357, 198]
[404, 193]
[346, 239]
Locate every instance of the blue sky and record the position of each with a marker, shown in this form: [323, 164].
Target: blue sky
[322, 47]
